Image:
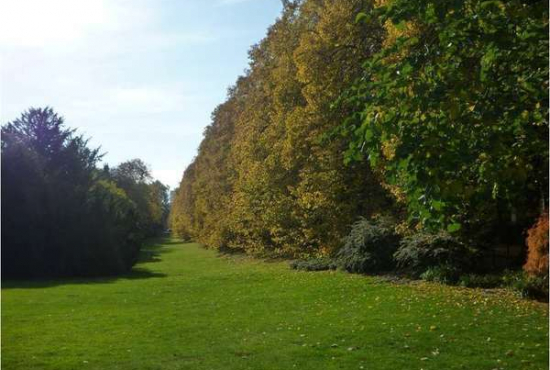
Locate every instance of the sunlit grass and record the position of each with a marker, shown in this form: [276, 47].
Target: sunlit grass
[186, 308]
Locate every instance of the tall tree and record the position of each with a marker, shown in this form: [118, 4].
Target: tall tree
[150, 198]
[264, 178]
[48, 210]
[467, 142]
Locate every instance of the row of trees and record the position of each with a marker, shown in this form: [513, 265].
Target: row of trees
[61, 215]
[263, 178]
[432, 112]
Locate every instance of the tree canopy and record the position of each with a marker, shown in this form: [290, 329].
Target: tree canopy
[432, 112]
[61, 215]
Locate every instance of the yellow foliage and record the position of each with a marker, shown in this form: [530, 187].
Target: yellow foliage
[264, 178]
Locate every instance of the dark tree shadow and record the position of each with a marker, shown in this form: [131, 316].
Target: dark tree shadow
[150, 252]
[174, 242]
[135, 274]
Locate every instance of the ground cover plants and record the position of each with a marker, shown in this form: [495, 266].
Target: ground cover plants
[188, 308]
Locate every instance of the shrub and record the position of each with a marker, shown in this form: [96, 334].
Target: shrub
[444, 274]
[527, 286]
[510, 278]
[480, 281]
[533, 287]
[537, 248]
[313, 264]
[369, 246]
[421, 251]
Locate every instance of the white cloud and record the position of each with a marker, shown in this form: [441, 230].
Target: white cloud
[31, 23]
[69, 25]
[233, 2]
[129, 73]
[181, 38]
[152, 102]
[170, 177]
[65, 24]
[147, 98]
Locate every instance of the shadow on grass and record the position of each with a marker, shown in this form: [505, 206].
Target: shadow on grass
[135, 274]
[174, 242]
[150, 252]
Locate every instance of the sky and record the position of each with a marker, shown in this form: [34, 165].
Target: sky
[139, 77]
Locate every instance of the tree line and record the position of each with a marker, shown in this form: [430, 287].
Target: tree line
[433, 114]
[64, 216]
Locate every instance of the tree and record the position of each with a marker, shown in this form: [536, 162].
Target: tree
[46, 171]
[59, 217]
[455, 112]
[132, 171]
[150, 197]
[264, 179]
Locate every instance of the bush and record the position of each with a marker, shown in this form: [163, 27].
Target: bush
[313, 264]
[441, 274]
[537, 244]
[527, 286]
[422, 251]
[534, 287]
[369, 247]
[480, 281]
[511, 278]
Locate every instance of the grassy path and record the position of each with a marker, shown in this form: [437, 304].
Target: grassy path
[184, 308]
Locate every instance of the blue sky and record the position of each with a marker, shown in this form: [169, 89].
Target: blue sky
[140, 77]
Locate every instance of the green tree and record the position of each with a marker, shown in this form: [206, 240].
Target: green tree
[455, 113]
[52, 223]
[150, 197]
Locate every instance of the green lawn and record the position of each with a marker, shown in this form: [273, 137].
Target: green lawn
[186, 308]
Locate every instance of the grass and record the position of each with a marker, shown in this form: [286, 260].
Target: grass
[186, 308]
